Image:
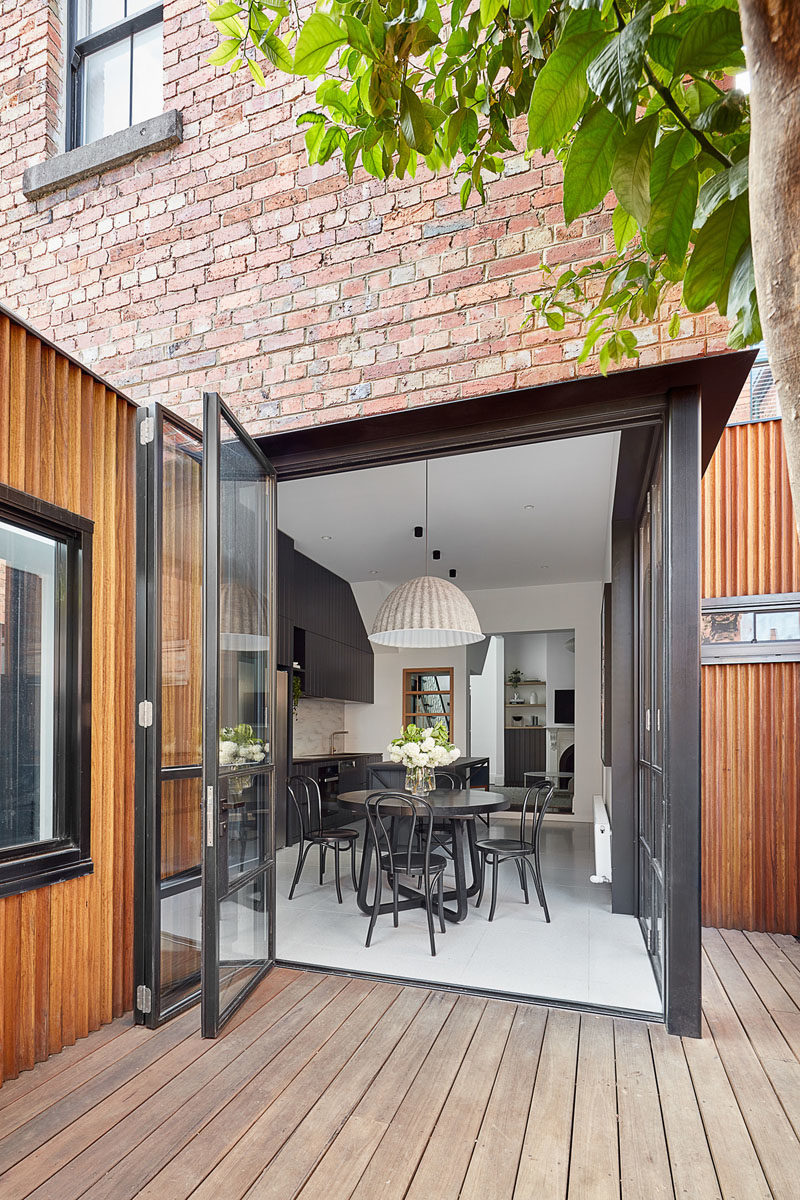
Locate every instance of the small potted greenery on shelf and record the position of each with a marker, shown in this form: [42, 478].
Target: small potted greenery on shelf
[515, 679]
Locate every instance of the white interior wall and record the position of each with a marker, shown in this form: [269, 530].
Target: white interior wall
[487, 735]
[528, 652]
[558, 607]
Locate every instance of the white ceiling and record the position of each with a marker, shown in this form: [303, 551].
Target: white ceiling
[477, 516]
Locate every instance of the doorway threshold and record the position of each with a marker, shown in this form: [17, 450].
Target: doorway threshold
[631, 1014]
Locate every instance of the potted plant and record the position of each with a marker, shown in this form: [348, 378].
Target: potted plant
[515, 679]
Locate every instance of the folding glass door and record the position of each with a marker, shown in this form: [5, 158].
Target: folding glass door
[203, 830]
[652, 797]
[239, 703]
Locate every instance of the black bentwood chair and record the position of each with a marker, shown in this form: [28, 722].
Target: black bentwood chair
[394, 820]
[443, 830]
[524, 853]
[306, 797]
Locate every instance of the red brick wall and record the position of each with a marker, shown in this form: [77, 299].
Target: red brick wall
[228, 263]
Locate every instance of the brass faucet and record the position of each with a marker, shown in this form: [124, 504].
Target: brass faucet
[334, 736]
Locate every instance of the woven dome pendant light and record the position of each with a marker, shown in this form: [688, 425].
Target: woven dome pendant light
[427, 611]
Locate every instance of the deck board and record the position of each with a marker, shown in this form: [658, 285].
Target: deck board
[328, 1088]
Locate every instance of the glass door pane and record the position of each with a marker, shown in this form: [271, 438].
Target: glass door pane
[238, 761]
[169, 685]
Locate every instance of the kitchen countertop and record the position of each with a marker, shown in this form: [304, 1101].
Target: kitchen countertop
[336, 756]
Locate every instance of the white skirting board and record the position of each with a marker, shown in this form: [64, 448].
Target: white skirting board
[602, 843]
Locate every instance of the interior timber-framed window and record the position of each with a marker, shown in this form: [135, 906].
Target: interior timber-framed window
[428, 697]
[45, 692]
[115, 66]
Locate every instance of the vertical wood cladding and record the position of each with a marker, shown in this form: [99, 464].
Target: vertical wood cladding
[751, 711]
[66, 961]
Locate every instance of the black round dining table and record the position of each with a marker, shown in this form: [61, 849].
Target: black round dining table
[459, 807]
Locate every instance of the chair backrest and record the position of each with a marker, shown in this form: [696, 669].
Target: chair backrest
[448, 781]
[385, 810]
[542, 794]
[305, 793]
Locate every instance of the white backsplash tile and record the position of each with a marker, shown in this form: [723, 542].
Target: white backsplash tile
[316, 720]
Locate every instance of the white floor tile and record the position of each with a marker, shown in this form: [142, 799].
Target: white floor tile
[587, 954]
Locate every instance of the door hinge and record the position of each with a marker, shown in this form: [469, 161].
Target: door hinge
[210, 816]
[147, 431]
[648, 502]
[647, 720]
[144, 998]
[146, 713]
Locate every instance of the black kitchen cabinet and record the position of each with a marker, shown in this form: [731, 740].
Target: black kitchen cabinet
[320, 627]
[525, 750]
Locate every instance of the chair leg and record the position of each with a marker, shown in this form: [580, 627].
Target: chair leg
[429, 912]
[376, 904]
[482, 881]
[495, 873]
[353, 866]
[537, 879]
[301, 858]
[336, 873]
[395, 899]
[321, 865]
[523, 878]
[441, 902]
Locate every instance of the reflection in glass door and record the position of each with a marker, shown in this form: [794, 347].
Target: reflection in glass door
[169, 732]
[651, 801]
[238, 687]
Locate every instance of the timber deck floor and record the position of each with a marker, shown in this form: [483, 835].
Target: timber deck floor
[328, 1087]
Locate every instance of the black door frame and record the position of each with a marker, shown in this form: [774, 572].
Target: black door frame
[148, 751]
[215, 783]
[671, 396]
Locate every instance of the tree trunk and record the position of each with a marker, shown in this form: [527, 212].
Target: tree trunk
[771, 30]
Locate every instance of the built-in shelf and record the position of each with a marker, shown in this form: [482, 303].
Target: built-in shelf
[519, 704]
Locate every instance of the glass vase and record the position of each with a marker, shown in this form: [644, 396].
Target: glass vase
[420, 780]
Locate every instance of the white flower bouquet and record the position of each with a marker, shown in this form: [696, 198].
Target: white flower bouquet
[421, 751]
[239, 747]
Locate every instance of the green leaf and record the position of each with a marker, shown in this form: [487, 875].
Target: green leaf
[588, 168]
[713, 40]
[667, 36]
[466, 188]
[277, 53]
[673, 150]
[630, 174]
[222, 11]
[727, 184]
[674, 327]
[256, 72]
[624, 226]
[532, 10]
[224, 52]
[616, 73]
[417, 129]
[672, 214]
[319, 38]
[560, 91]
[719, 243]
[358, 36]
[468, 135]
[489, 10]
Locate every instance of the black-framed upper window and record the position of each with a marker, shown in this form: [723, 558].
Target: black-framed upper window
[115, 58]
[751, 629]
[45, 685]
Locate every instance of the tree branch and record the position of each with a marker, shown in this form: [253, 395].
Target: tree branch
[668, 98]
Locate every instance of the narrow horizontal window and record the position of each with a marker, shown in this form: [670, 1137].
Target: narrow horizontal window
[751, 629]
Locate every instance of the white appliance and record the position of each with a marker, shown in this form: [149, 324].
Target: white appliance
[602, 843]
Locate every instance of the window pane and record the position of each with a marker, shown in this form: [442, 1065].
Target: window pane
[727, 627]
[28, 631]
[106, 91]
[136, 6]
[98, 14]
[778, 626]
[182, 599]
[181, 852]
[147, 73]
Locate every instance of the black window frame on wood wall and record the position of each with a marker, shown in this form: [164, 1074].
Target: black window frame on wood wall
[79, 49]
[68, 853]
